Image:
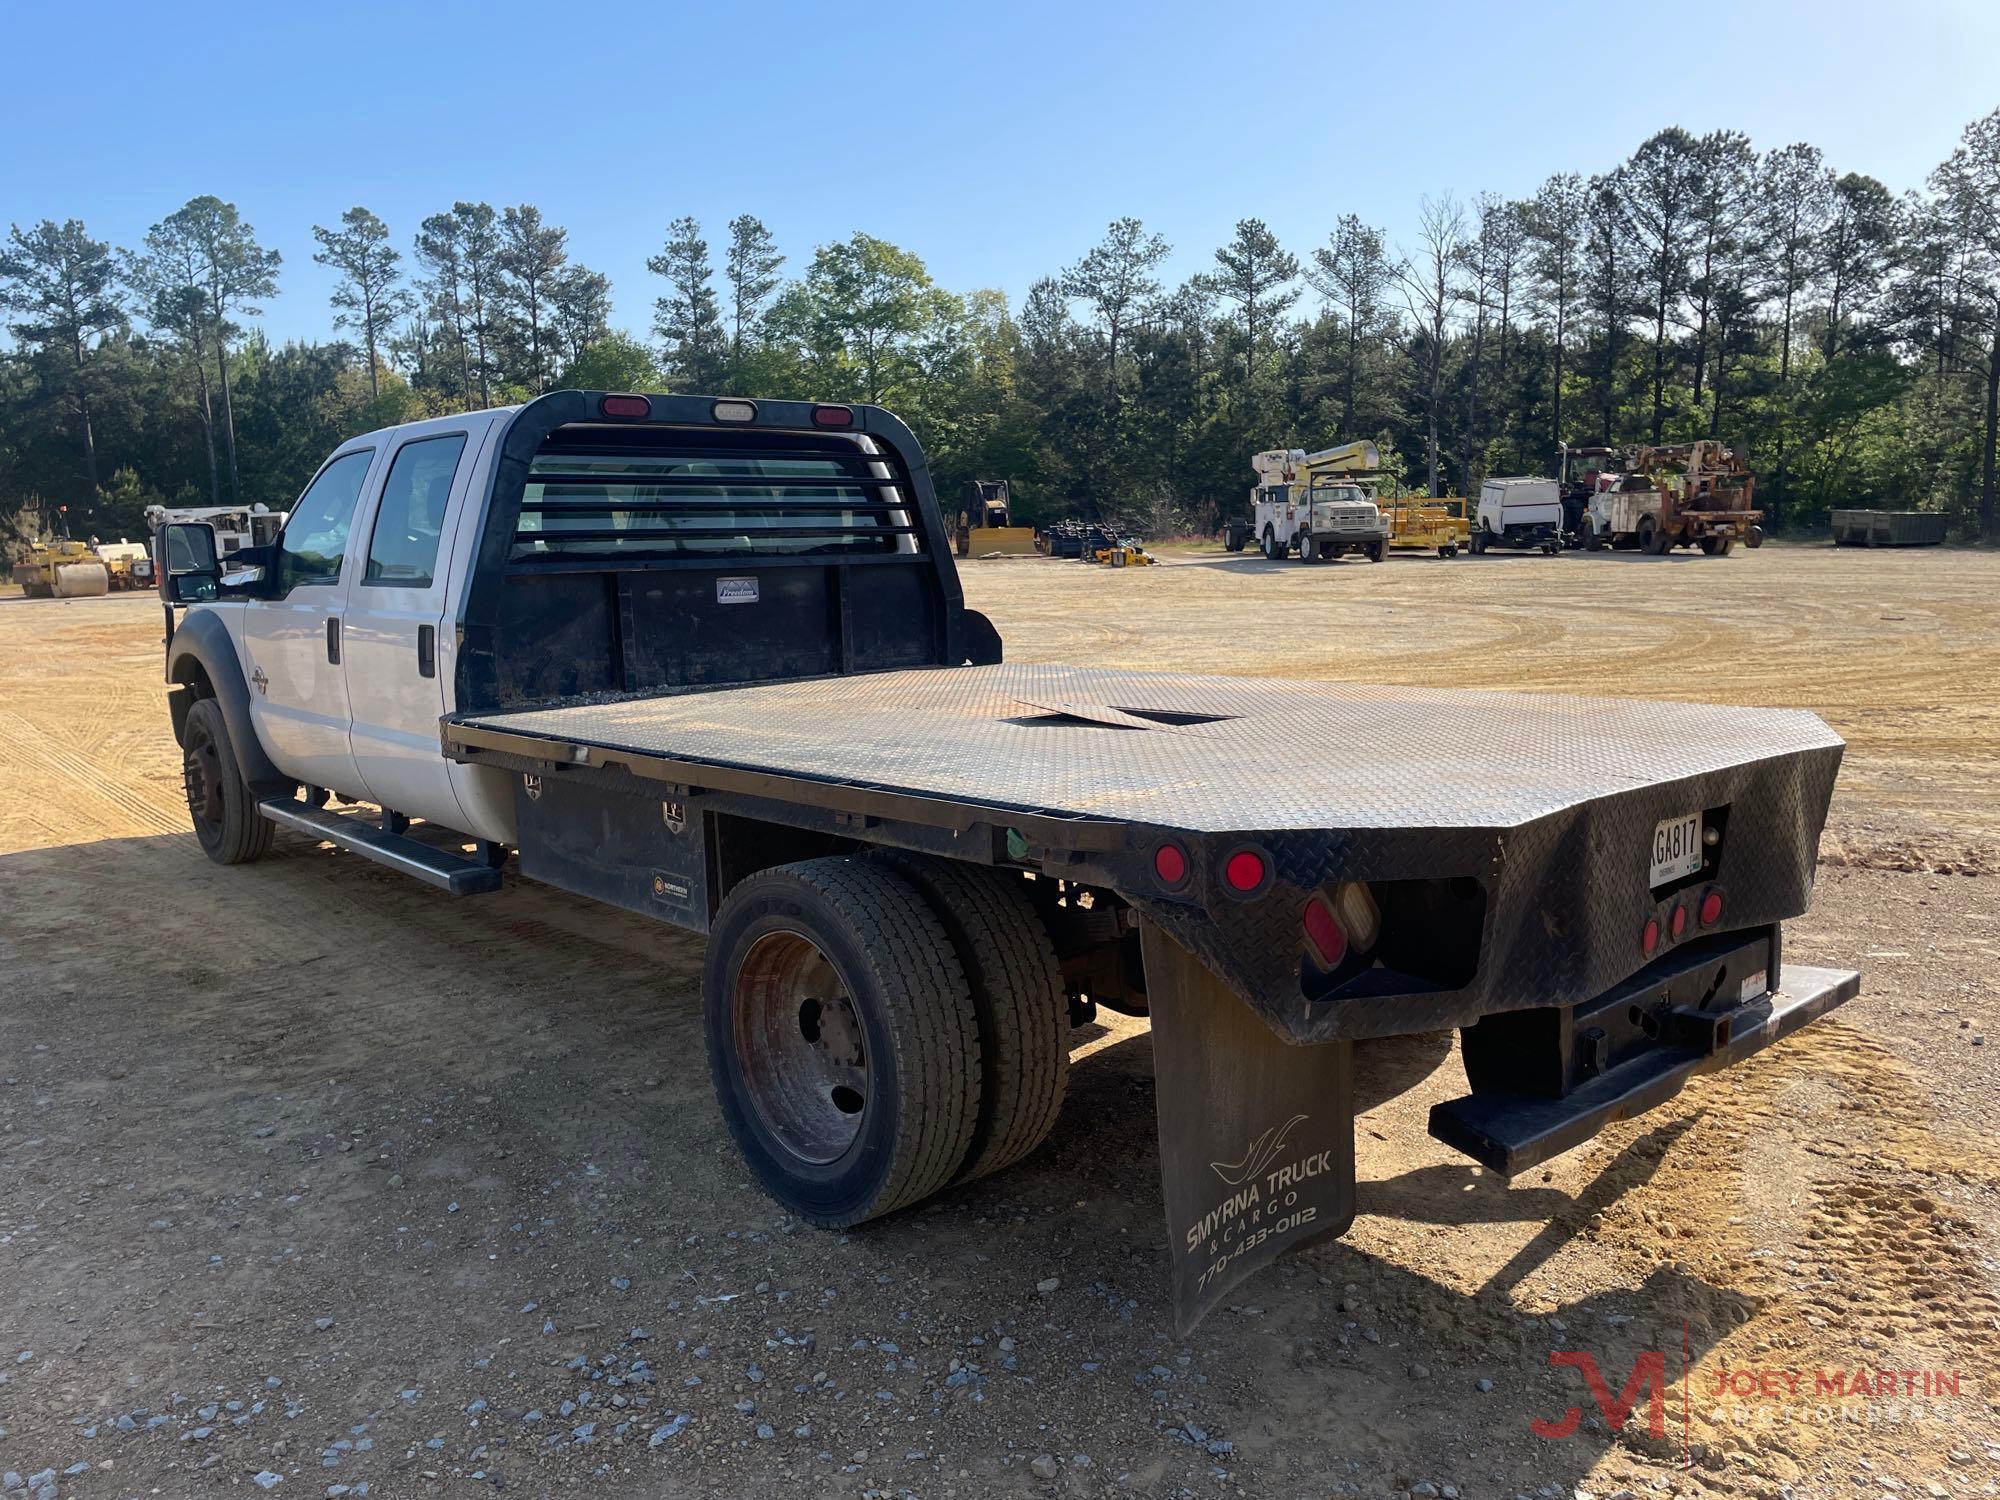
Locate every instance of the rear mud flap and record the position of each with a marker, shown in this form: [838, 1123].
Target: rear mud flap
[1256, 1134]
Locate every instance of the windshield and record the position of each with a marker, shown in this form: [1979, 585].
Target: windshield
[1325, 492]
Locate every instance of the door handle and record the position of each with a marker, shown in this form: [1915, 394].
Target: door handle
[333, 639]
[427, 651]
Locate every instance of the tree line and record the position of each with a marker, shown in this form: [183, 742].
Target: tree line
[1847, 336]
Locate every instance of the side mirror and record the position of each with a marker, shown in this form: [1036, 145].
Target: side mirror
[192, 575]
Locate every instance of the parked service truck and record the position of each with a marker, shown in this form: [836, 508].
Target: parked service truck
[1311, 504]
[707, 660]
[1695, 494]
[1524, 513]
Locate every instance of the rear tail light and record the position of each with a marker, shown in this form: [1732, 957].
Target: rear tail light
[1711, 908]
[734, 411]
[833, 416]
[1245, 870]
[1325, 937]
[1170, 864]
[1649, 939]
[1678, 922]
[625, 406]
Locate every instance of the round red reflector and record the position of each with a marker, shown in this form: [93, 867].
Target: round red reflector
[1170, 864]
[625, 406]
[1650, 938]
[1678, 922]
[833, 416]
[1245, 870]
[1711, 908]
[1324, 933]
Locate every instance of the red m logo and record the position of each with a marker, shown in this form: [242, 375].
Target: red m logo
[1649, 1373]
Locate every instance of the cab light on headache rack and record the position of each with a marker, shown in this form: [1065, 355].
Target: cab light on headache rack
[833, 416]
[625, 406]
[734, 411]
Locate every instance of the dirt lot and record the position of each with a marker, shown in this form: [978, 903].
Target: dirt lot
[315, 1179]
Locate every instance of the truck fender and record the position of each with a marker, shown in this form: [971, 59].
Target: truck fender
[202, 662]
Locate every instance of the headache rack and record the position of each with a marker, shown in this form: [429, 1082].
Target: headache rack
[628, 553]
[600, 494]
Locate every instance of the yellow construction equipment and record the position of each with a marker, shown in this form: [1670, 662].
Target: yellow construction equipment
[62, 570]
[985, 525]
[1423, 523]
[130, 564]
[1125, 555]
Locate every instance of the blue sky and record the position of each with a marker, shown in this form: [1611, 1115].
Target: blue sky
[994, 140]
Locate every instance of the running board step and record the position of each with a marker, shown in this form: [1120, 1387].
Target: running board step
[439, 867]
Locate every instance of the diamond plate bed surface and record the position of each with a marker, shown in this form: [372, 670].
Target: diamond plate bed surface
[1259, 752]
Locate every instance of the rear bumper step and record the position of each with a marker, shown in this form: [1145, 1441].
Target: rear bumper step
[449, 872]
[1512, 1132]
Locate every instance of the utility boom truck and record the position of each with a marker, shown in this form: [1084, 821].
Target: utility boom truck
[707, 660]
[1313, 504]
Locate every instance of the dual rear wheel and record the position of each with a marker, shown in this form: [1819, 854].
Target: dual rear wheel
[880, 1026]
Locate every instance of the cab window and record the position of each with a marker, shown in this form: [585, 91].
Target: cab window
[315, 538]
[409, 523]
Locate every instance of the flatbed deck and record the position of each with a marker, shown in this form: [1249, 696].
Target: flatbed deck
[1206, 754]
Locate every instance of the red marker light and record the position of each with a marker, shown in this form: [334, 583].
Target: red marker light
[1649, 940]
[1711, 908]
[625, 406]
[1678, 922]
[1324, 933]
[1245, 870]
[1170, 864]
[833, 416]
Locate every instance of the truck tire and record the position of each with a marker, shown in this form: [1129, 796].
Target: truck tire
[1270, 544]
[1592, 542]
[220, 803]
[1309, 550]
[1655, 538]
[1017, 995]
[1718, 546]
[842, 1039]
[1378, 552]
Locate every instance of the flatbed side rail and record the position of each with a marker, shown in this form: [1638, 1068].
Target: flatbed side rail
[483, 744]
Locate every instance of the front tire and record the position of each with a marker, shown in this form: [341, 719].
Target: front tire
[1309, 550]
[842, 1039]
[220, 803]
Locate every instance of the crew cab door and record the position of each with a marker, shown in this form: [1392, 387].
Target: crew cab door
[396, 662]
[292, 638]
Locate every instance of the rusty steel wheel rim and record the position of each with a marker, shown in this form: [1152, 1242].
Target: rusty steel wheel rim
[800, 1047]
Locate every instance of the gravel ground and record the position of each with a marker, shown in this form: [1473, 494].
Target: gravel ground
[314, 1180]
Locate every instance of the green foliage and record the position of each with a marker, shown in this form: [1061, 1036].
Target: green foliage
[1849, 340]
[615, 362]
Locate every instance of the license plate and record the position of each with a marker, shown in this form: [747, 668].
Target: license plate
[1676, 848]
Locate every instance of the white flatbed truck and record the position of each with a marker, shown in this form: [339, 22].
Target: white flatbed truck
[706, 659]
